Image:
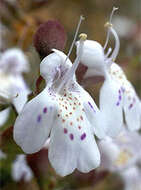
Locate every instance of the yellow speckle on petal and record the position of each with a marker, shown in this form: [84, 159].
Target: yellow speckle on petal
[123, 158]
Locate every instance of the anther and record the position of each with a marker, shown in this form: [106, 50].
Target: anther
[108, 25]
[83, 36]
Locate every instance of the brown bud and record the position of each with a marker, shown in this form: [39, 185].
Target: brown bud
[49, 35]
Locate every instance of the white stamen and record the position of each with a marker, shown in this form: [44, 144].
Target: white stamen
[75, 36]
[65, 80]
[117, 45]
[108, 32]
[108, 52]
[71, 72]
[112, 13]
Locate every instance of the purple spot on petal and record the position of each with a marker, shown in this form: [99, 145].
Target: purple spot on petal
[71, 136]
[117, 103]
[119, 97]
[119, 92]
[39, 118]
[91, 106]
[65, 130]
[130, 106]
[45, 110]
[122, 89]
[83, 136]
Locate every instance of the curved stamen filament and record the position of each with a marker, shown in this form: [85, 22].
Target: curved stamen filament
[75, 36]
[69, 75]
[108, 52]
[108, 32]
[117, 44]
[71, 72]
[65, 78]
[112, 13]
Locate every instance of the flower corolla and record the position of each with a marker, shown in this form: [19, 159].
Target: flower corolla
[66, 113]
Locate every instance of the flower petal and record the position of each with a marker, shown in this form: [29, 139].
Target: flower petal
[94, 117]
[73, 147]
[132, 110]
[92, 113]
[20, 169]
[54, 63]
[131, 103]
[34, 123]
[109, 152]
[111, 107]
[14, 61]
[22, 92]
[4, 116]
[93, 54]
[88, 158]
[61, 152]
[131, 178]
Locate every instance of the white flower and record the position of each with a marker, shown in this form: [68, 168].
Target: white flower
[117, 93]
[66, 112]
[98, 63]
[13, 61]
[131, 102]
[120, 153]
[20, 169]
[13, 88]
[4, 116]
[132, 178]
